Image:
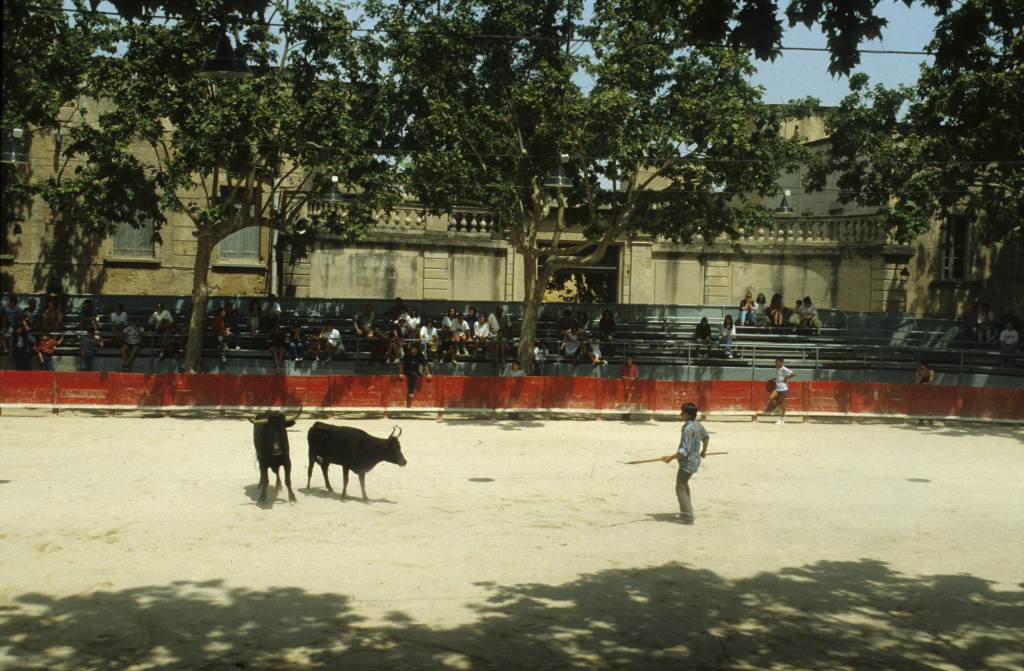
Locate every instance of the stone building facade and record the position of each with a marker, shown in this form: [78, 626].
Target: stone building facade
[837, 254]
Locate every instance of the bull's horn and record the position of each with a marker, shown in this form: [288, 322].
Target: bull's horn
[260, 421]
[398, 429]
[297, 415]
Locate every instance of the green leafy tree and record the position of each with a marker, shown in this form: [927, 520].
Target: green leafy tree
[231, 154]
[658, 137]
[951, 143]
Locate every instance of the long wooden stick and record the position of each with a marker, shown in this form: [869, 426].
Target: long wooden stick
[648, 461]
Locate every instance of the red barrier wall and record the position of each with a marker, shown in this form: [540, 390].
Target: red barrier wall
[374, 391]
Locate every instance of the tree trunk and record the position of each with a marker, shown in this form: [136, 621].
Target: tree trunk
[536, 281]
[200, 294]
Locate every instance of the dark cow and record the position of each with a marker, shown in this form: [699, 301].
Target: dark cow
[352, 449]
[270, 435]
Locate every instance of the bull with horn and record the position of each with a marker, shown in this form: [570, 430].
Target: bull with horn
[270, 436]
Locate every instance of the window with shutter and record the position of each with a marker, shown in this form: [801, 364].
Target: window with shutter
[131, 242]
[953, 249]
[243, 245]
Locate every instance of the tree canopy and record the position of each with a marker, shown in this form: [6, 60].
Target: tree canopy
[952, 143]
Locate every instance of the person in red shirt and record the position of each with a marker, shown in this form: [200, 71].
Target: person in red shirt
[46, 349]
[629, 370]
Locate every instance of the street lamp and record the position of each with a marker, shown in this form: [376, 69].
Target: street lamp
[558, 180]
[15, 150]
[225, 64]
[330, 195]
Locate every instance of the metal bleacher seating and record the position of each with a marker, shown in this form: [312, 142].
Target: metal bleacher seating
[658, 337]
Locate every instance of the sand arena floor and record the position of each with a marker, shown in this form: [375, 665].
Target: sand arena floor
[137, 544]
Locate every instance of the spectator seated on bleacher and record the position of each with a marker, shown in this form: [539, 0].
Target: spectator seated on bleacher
[924, 374]
[513, 369]
[570, 347]
[594, 352]
[793, 316]
[728, 335]
[499, 326]
[161, 320]
[413, 323]
[29, 314]
[297, 345]
[395, 333]
[12, 311]
[6, 332]
[396, 310]
[747, 314]
[52, 319]
[809, 315]
[132, 337]
[254, 316]
[761, 310]
[566, 322]
[1009, 338]
[328, 344]
[363, 324]
[172, 343]
[23, 346]
[471, 318]
[430, 340]
[984, 327]
[455, 334]
[606, 327]
[118, 322]
[233, 322]
[221, 332]
[87, 315]
[481, 335]
[270, 314]
[702, 334]
[583, 322]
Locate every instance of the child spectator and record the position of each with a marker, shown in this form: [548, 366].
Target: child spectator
[430, 340]
[595, 352]
[728, 334]
[278, 347]
[629, 370]
[52, 318]
[118, 322]
[809, 315]
[132, 341]
[88, 342]
[297, 345]
[161, 320]
[411, 366]
[702, 334]
[1009, 338]
[46, 350]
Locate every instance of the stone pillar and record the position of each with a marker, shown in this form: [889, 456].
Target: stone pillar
[638, 285]
[436, 281]
[717, 282]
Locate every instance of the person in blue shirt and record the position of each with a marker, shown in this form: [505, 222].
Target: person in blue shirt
[693, 446]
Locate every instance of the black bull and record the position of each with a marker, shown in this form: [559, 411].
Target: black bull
[352, 449]
[270, 436]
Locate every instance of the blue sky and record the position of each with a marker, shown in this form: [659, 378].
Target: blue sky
[796, 74]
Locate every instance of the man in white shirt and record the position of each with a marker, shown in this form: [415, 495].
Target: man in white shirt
[777, 399]
[412, 323]
[330, 341]
[1009, 337]
[481, 335]
[161, 319]
[118, 321]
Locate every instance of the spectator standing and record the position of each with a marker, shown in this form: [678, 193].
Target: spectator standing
[1009, 338]
[118, 322]
[6, 333]
[221, 332]
[278, 347]
[52, 318]
[271, 313]
[47, 349]
[809, 315]
[412, 363]
[87, 315]
[87, 344]
[297, 345]
[924, 374]
[571, 345]
[566, 322]
[161, 320]
[254, 316]
[777, 399]
[985, 330]
[481, 335]
[540, 357]
[29, 314]
[395, 349]
[499, 325]
[583, 322]
[233, 322]
[629, 370]
[693, 446]
[413, 322]
[172, 343]
[606, 327]
[132, 341]
[513, 369]
[728, 335]
[775, 311]
[12, 310]
[23, 344]
[430, 340]
[702, 334]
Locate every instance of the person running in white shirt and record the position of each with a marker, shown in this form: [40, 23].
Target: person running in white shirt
[777, 399]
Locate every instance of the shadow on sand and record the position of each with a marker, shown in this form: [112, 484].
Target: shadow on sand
[827, 615]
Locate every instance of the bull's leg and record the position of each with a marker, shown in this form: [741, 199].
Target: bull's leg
[344, 481]
[277, 475]
[309, 473]
[362, 485]
[264, 483]
[288, 480]
[327, 481]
